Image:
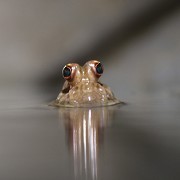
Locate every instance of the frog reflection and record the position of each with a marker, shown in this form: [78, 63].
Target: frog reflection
[82, 88]
[85, 132]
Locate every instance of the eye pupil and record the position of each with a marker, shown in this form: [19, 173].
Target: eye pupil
[99, 68]
[66, 72]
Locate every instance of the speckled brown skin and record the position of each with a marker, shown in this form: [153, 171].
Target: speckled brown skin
[82, 88]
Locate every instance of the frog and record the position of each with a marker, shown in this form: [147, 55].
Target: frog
[82, 87]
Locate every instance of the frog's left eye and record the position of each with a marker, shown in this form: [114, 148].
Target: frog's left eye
[99, 69]
[67, 72]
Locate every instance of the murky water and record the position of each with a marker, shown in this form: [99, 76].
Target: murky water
[135, 141]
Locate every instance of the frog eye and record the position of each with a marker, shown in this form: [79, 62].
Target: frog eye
[67, 71]
[99, 69]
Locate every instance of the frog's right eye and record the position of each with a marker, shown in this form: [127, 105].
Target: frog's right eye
[99, 69]
[66, 72]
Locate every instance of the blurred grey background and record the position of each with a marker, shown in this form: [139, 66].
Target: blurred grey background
[137, 41]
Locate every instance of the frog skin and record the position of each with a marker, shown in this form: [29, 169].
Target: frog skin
[82, 88]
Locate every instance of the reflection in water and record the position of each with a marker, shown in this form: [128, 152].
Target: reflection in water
[84, 128]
